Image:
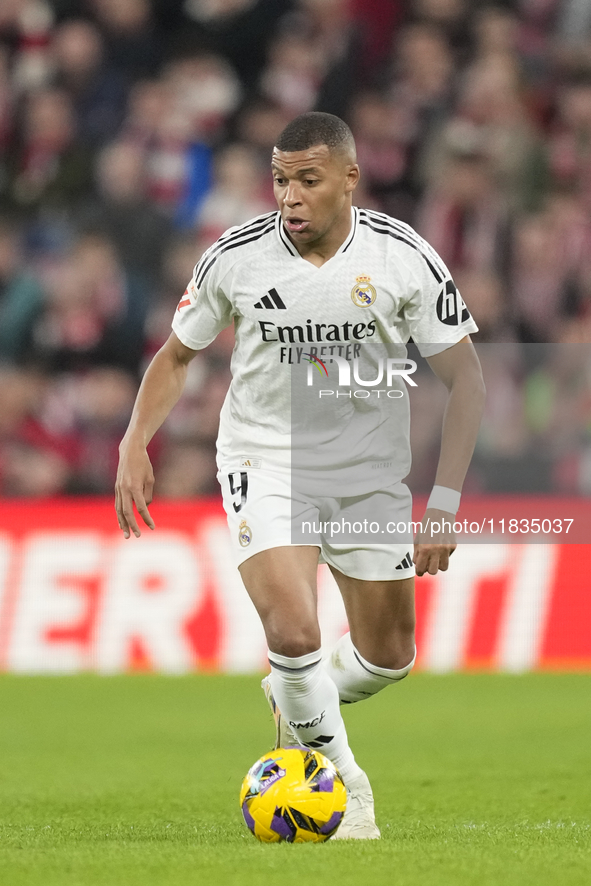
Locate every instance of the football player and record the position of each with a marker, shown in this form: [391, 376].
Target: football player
[318, 281]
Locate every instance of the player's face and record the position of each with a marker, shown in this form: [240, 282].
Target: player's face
[313, 191]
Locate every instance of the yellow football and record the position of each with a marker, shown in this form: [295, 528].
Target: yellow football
[294, 795]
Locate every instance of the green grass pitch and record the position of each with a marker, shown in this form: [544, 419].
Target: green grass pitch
[479, 780]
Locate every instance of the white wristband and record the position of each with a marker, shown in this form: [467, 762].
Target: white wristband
[444, 499]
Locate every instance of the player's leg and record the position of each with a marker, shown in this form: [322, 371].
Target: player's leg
[380, 648]
[378, 651]
[376, 582]
[281, 582]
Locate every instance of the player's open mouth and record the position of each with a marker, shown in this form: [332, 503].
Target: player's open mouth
[295, 225]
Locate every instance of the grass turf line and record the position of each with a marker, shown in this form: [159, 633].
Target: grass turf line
[480, 780]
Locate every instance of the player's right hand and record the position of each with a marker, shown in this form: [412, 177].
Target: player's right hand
[134, 485]
[435, 542]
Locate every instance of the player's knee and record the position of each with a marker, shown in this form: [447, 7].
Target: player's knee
[403, 651]
[399, 658]
[397, 654]
[400, 645]
[293, 640]
[405, 659]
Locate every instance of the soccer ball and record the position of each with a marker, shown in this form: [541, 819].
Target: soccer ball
[294, 795]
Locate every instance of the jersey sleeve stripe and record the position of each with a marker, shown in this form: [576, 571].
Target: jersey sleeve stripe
[231, 244]
[396, 236]
[238, 230]
[254, 225]
[407, 231]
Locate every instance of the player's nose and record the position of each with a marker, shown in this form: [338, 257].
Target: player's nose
[292, 195]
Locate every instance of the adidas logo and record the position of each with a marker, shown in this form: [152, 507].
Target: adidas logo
[319, 741]
[266, 302]
[406, 563]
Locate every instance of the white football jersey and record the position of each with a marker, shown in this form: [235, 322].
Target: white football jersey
[383, 286]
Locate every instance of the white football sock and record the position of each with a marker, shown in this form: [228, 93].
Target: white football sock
[357, 678]
[309, 700]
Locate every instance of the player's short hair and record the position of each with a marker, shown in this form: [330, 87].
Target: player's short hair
[316, 128]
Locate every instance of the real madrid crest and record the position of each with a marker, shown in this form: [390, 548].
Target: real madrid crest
[244, 534]
[363, 293]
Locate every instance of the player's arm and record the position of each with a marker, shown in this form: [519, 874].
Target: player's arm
[459, 369]
[160, 389]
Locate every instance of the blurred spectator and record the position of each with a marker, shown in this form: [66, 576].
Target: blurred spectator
[538, 278]
[33, 471]
[451, 17]
[25, 25]
[132, 41]
[122, 211]
[101, 402]
[489, 304]
[33, 462]
[259, 124]
[179, 261]
[383, 135]
[423, 72]
[313, 61]
[199, 93]
[376, 22]
[496, 32]
[570, 143]
[493, 116]
[294, 73]
[187, 471]
[147, 102]
[93, 313]
[195, 418]
[21, 295]
[237, 194]
[97, 90]
[239, 30]
[48, 167]
[6, 102]
[557, 405]
[506, 458]
[463, 216]
[575, 23]
[204, 91]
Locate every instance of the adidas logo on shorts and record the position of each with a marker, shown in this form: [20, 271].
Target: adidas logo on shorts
[406, 563]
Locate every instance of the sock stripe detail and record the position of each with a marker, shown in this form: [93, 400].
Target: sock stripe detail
[281, 667]
[375, 673]
[365, 668]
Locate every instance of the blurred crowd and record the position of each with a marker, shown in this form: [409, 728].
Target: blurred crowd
[134, 132]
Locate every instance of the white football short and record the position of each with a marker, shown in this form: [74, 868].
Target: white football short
[262, 511]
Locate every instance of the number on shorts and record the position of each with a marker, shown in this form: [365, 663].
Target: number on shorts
[241, 488]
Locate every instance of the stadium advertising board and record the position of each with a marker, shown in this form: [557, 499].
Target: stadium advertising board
[75, 596]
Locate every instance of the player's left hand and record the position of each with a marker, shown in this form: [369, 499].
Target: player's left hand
[435, 542]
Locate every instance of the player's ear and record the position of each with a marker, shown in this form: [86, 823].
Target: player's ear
[353, 176]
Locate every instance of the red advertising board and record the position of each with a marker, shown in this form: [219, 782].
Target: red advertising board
[75, 595]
